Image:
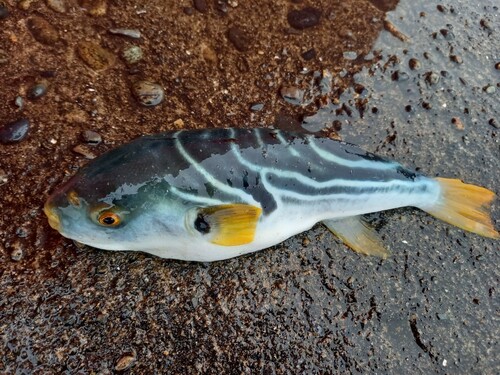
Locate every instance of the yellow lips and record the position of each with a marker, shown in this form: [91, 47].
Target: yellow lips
[52, 215]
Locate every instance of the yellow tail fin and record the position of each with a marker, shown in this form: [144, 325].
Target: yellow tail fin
[465, 206]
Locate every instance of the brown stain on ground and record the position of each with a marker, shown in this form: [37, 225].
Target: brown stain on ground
[65, 308]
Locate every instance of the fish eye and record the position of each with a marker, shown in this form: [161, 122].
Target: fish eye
[107, 215]
[109, 219]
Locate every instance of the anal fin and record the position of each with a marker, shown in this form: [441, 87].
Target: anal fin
[356, 233]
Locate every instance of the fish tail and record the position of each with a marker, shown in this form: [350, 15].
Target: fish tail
[465, 206]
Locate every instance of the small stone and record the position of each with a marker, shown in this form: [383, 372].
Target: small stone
[239, 39]
[485, 24]
[17, 252]
[14, 131]
[19, 102]
[414, 64]
[95, 56]
[200, 5]
[131, 33]
[242, 64]
[4, 57]
[91, 137]
[497, 66]
[148, 93]
[350, 55]
[95, 8]
[84, 151]
[441, 8]
[292, 94]
[400, 76]
[432, 78]
[304, 18]
[426, 105]
[179, 123]
[24, 4]
[457, 59]
[3, 177]
[38, 90]
[4, 11]
[132, 55]
[126, 361]
[256, 107]
[42, 30]
[309, 54]
[458, 123]
[209, 55]
[493, 123]
[489, 89]
[188, 11]
[221, 6]
[447, 34]
[58, 6]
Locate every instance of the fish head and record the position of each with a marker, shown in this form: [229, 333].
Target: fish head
[115, 209]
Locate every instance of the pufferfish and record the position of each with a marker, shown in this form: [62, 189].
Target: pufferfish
[208, 195]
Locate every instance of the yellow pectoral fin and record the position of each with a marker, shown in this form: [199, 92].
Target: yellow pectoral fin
[231, 224]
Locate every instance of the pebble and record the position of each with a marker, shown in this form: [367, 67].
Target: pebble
[24, 4]
[458, 123]
[4, 11]
[58, 6]
[126, 361]
[414, 64]
[209, 55]
[309, 54]
[432, 78]
[3, 177]
[42, 30]
[256, 107]
[95, 7]
[304, 18]
[239, 39]
[17, 252]
[200, 5]
[84, 151]
[497, 66]
[132, 55]
[148, 93]
[489, 89]
[131, 33]
[188, 11]
[4, 58]
[38, 90]
[350, 55]
[14, 131]
[447, 34]
[292, 94]
[19, 102]
[95, 56]
[400, 76]
[457, 59]
[91, 137]
[492, 122]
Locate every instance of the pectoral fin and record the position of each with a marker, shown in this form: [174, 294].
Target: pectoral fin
[228, 224]
[356, 233]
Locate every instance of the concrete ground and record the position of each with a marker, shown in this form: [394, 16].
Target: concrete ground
[416, 81]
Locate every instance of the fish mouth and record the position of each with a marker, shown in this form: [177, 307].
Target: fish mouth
[54, 220]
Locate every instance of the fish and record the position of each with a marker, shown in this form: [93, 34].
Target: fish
[209, 195]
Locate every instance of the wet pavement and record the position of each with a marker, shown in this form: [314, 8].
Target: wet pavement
[419, 83]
